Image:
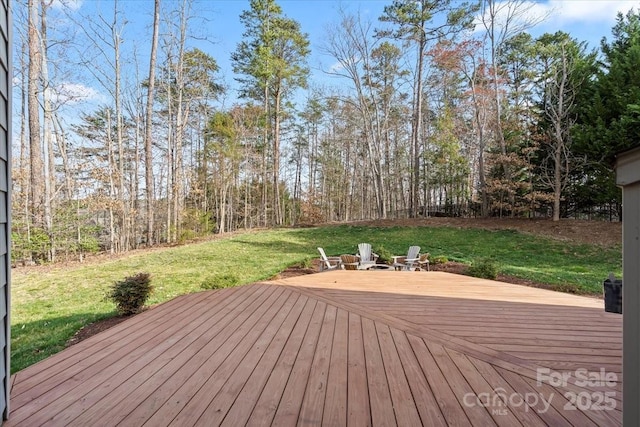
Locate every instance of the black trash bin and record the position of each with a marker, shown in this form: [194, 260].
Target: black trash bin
[613, 295]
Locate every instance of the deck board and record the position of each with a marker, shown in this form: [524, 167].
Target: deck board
[337, 348]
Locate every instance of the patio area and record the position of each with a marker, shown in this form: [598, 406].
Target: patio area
[341, 348]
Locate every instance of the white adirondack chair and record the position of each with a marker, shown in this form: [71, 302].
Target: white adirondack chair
[367, 257]
[406, 262]
[328, 263]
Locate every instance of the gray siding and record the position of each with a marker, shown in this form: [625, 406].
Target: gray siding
[5, 203]
[628, 176]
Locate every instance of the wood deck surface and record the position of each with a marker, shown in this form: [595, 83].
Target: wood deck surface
[353, 348]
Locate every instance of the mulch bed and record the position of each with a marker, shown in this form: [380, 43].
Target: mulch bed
[95, 328]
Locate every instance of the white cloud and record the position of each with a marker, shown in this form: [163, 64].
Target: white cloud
[336, 67]
[74, 93]
[568, 11]
[518, 12]
[560, 13]
[67, 4]
[589, 11]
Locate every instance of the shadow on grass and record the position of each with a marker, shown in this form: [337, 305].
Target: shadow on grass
[37, 340]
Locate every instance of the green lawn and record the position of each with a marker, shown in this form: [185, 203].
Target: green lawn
[49, 307]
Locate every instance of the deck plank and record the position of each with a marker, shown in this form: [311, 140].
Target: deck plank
[246, 401]
[500, 410]
[401, 397]
[439, 384]
[177, 384]
[287, 366]
[380, 403]
[125, 362]
[88, 352]
[478, 415]
[525, 414]
[424, 398]
[246, 351]
[335, 406]
[316, 389]
[260, 361]
[289, 408]
[358, 409]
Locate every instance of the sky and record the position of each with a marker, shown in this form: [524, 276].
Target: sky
[218, 29]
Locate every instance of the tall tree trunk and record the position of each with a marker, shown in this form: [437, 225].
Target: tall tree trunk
[416, 132]
[49, 166]
[35, 144]
[276, 159]
[182, 113]
[148, 148]
[122, 203]
[112, 185]
[557, 175]
[265, 176]
[24, 181]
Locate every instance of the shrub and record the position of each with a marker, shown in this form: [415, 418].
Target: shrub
[130, 294]
[440, 259]
[219, 281]
[570, 288]
[485, 268]
[384, 255]
[305, 263]
[89, 244]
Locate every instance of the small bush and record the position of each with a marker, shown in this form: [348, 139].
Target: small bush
[130, 294]
[384, 255]
[220, 281]
[440, 259]
[305, 263]
[486, 268]
[570, 288]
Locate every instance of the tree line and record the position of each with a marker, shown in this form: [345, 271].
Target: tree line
[440, 108]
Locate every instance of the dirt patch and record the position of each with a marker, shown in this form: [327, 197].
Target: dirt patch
[294, 271]
[94, 328]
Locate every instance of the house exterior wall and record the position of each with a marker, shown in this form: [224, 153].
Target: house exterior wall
[628, 176]
[5, 202]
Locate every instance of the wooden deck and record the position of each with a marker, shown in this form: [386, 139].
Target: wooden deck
[341, 348]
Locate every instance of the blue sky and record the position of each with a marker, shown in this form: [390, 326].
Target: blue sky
[219, 30]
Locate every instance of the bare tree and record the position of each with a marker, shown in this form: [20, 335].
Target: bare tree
[148, 148]
[421, 22]
[35, 142]
[503, 20]
[560, 82]
[351, 43]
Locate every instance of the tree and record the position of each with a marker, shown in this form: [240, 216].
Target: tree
[564, 61]
[416, 23]
[272, 57]
[148, 149]
[223, 151]
[36, 165]
[361, 61]
[608, 120]
[502, 21]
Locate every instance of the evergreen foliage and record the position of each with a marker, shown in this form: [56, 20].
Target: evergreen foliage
[131, 293]
[485, 268]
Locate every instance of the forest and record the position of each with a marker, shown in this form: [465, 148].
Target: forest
[445, 108]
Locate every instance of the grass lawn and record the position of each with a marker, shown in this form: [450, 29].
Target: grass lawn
[48, 307]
